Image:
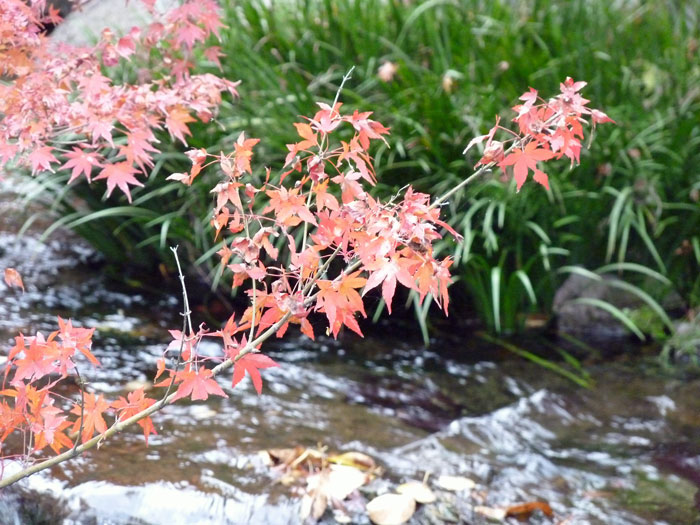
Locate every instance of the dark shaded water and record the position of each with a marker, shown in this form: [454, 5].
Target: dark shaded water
[627, 451]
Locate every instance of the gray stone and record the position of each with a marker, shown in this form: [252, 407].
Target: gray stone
[588, 320]
[84, 25]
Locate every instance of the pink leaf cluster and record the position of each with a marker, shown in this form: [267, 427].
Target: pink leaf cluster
[60, 93]
[548, 129]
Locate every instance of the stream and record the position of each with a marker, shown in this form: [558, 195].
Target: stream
[625, 451]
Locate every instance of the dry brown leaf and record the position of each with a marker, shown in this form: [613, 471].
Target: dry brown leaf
[455, 483]
[343, 480]
[313, 506]
[308, 456]
[391, 509]
[523, 510]
[315, 501]
[285, 455]
[354, 459]
[418, 491]
[334, 483]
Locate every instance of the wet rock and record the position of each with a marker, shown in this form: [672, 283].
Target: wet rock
[21, 507]
[683, 459]
[83, 26]
[588, 320]
[421, 407]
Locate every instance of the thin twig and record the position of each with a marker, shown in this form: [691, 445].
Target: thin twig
[186, 321]
[82, 405]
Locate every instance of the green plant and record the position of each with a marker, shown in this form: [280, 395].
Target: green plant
[436, 72]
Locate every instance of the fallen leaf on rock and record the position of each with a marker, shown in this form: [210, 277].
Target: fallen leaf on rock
[418, 491]
[297, 457]
[353, 459]
[491, 512]
[135, 384]
[598, 494]
[523, 510]
[391, 509]
[284, 455]
[315, 501]
[343, 480]
[331, 485]
[455, 483]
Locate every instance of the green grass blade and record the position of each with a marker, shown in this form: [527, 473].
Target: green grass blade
[614, 311]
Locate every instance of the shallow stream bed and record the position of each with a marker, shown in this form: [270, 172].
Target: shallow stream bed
[625, 451]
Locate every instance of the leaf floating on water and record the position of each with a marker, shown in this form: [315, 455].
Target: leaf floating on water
[418, 491]
[491, 513]
[455, 483]
[391, 509]
[523, 510]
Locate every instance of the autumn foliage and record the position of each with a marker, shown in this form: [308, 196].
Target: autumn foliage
[62, 111]
[309, 241]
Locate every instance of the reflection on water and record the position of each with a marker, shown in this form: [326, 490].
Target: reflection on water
[625, 452]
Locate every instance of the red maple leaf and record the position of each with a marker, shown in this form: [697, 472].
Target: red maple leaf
[120, 174]
[252, 363]
[367, 129]
[79, 339]
[91, 418]
[48, 428]
[189, 34]
[309, 139]
[289, 207]
[82, 162]
[339, 300]
[244, 152]
[197, 383]
[599, 117]
[41, 159]
[13, 278]
[176, 122]
[387, 272]
[139, 148]
[522, 160]
[38, 360]
[134, 403]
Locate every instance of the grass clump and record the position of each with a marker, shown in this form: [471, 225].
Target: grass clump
[438, 73]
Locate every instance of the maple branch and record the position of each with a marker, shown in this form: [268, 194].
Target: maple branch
[82, 406]
[158, 405]
[186, 318]
[346, 77]
[483, 169]
[518, 142]
[249, 348]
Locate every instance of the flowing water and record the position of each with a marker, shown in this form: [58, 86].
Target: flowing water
[625, 451]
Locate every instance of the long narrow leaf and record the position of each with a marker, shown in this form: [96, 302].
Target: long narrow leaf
[614, 311]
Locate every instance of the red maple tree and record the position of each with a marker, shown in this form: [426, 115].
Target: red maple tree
[279, 239]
